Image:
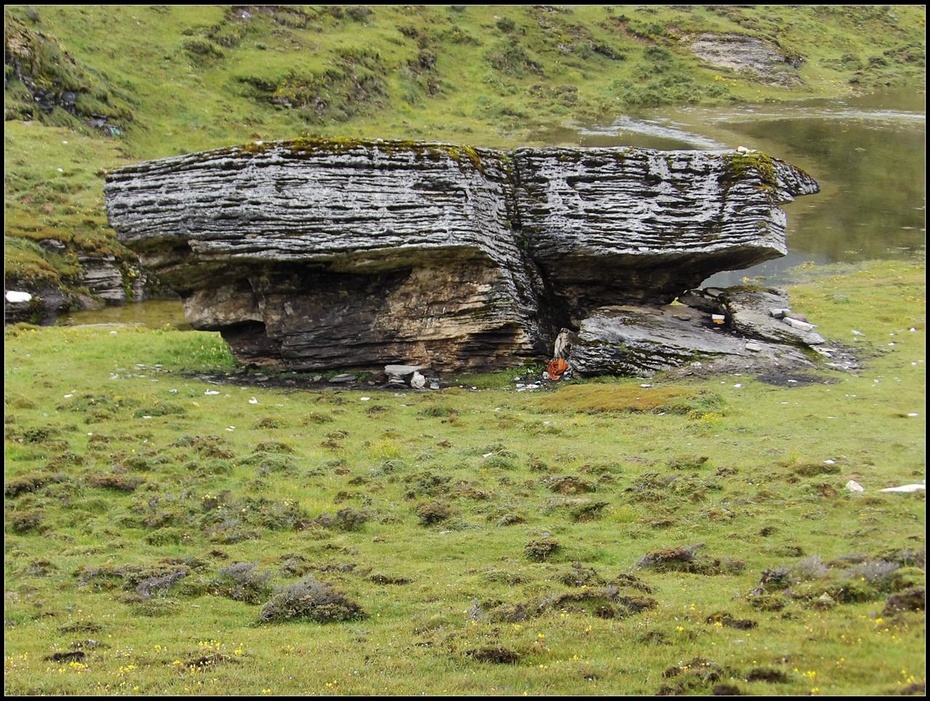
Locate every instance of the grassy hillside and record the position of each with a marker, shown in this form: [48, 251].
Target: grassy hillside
[89, 88]
[170, 535]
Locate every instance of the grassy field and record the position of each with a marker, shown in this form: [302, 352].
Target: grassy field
[166, 534]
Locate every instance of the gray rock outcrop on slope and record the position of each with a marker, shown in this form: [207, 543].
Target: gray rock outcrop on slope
[341, 254]
[743, 54]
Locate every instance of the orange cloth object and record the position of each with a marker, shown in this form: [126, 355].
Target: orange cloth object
[556, 368]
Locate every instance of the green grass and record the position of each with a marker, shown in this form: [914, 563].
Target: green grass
[603, 538]
[208, 76]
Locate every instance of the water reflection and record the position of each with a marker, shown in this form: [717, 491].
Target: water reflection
[867, 153]
[154, 314]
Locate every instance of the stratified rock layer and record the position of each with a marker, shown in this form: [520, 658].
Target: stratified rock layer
[628, 226]
[334, 254]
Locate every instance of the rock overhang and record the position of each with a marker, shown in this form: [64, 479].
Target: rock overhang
[479, 249]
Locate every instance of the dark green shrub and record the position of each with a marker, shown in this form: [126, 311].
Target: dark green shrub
[540, 550]
[433, 512]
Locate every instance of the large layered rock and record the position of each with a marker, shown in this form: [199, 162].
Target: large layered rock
[320, 255]
[631, 226]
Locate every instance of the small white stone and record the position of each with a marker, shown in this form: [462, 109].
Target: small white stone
[14, 296]
[905, 488]
[796, 324]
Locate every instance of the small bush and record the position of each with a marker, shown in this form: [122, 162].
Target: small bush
[495, 655]
[347, 519]
[315, 417]
[433, 512]
[505, 24]
[25, 521]
[25, 485]
[540, 550]
[310, 600]
[358, 13]
[438, 411]
[685, 559]
[581, 576]
[242, 581]
[115, 481]
[203, 51]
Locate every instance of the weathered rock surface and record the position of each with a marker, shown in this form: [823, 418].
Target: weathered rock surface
[627, 226]
[741, 53]
[642, 340]
[319, 255]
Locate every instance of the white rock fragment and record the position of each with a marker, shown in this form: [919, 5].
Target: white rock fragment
[853, 486]
[905, 488]
[15, 297]
[798, 324]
